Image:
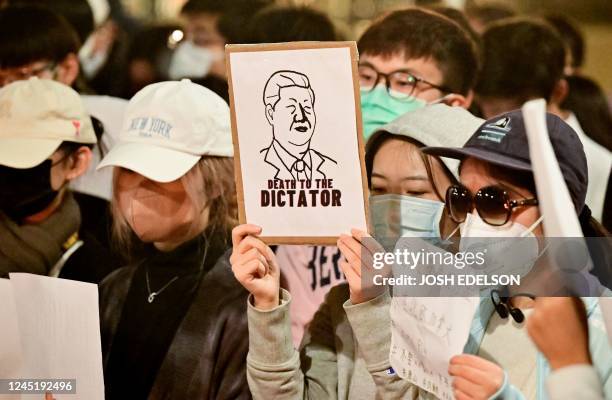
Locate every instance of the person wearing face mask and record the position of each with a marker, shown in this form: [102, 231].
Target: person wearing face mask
[41, 38]
[45, 143]
[411, 58]
[330, 363]
[499, 360]
[408, 46]
[497, 199]
[209, 26]
[173, 321]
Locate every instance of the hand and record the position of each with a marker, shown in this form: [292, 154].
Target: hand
[254, 266]
[358, 251]
[474, 377]
[558, 327]
[49, 396]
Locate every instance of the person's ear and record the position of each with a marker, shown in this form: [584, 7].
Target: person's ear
[459, 100]
[270, 114]
[68, 69]
[560, 92]
[79, 163]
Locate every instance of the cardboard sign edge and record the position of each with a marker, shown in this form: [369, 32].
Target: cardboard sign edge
[238, 48]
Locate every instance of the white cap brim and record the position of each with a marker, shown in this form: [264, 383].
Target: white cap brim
[153, 162]
[24, 153]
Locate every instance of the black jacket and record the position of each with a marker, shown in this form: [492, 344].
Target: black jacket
[207, 357]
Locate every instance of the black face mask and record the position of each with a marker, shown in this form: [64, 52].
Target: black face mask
[26, 192]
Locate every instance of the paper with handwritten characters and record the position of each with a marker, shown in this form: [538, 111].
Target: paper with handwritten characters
[425, 333]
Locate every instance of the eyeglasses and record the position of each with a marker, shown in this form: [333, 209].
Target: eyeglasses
[492, 203]
[400, 84]
[19, 74]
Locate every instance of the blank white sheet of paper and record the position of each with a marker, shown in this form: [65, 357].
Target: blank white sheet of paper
[10, 346]
[60, 332]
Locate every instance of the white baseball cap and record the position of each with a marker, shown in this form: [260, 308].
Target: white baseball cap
[168, 127]
[36, 116]
[436, 125]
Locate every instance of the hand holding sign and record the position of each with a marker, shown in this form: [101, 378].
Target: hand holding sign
[254, 266]
[358, 251]
[298, 146]
[475, 378]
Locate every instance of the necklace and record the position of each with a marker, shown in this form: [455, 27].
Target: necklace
[152, 295]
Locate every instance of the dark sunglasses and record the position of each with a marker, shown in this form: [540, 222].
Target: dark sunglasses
[492, 203]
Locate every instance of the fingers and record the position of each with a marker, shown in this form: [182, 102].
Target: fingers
[459, 395]
[254, 253]
[248, 271]
[465, 389]
[353, 277]
[351, 257]
[351, 244]
[242, 231]
[473, 361]
[354, 252]
[251, 242]
[472, 374]
[367, 241]
[475, 376]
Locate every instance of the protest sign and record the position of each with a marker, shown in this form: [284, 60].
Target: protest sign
[55, 330]
[296, 126]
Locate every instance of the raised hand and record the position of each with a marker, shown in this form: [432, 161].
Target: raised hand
[358, 251]
[254, 266]
[474, 377]
[558, 327]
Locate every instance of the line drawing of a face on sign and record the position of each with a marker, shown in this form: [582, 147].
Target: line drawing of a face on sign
[290, 110]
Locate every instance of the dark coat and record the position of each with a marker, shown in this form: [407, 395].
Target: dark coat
[207, 357]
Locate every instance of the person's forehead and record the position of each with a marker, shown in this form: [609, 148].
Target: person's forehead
[395, 155]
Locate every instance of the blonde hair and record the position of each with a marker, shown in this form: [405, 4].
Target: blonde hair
[209, 183]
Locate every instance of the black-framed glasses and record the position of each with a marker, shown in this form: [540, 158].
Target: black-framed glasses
[492, 203]
[400, 84]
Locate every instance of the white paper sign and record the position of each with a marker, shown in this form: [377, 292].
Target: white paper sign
[554, 199]
[297, 139]
[426, 332]
[59, 328]
[10, 345]
[606, 310]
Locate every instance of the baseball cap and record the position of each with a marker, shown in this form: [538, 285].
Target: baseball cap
[36, 116]
[168, 127]
[434, 125]
[502, 141]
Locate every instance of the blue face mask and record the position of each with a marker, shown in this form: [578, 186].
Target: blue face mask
[378, 108]
[395, 216]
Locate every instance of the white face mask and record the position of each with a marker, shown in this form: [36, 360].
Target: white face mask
[191, 61]
[509, 249]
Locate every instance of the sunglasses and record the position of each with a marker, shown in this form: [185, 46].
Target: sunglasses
[492, 203]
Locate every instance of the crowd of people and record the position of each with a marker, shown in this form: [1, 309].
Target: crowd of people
[194, 305]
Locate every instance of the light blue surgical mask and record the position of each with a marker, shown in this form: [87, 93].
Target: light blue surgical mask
[395, 216]
[378, 108]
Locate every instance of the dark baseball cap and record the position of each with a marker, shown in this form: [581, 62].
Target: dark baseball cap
[502, 141]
